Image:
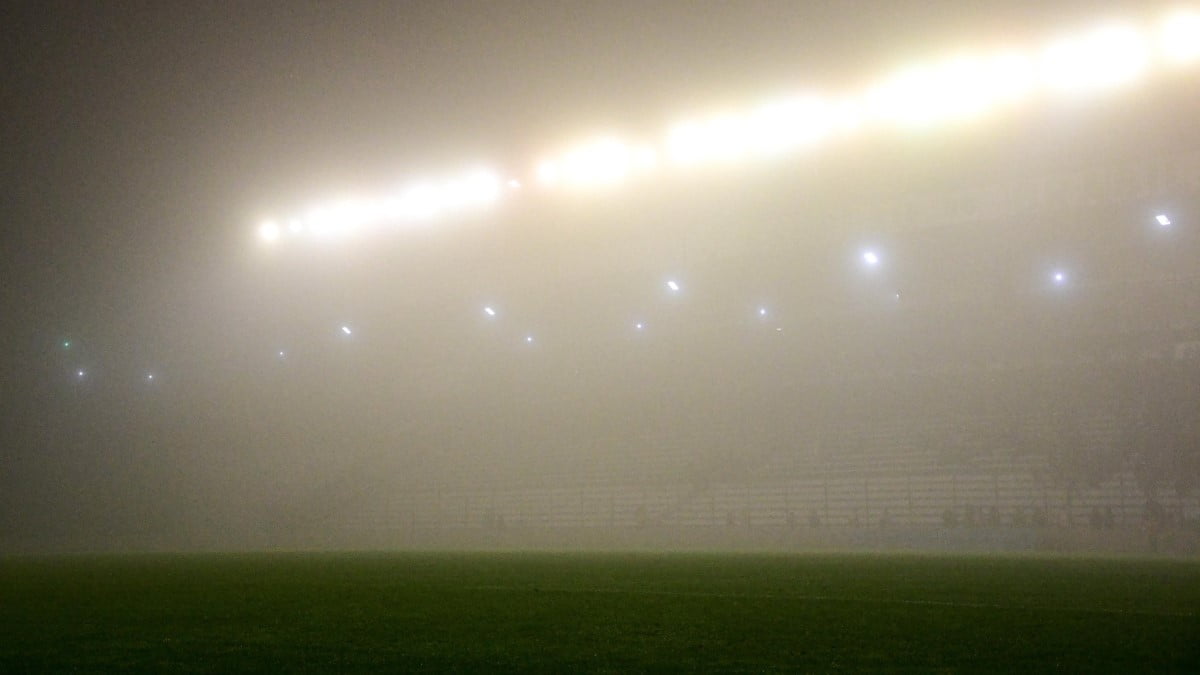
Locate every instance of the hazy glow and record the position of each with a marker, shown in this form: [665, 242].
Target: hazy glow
[1163, 219]
[268, 231]
[150, 376]
[639, 325]
[954, 90]
[672, 285]
[346, 330]
[602, 161]
[871, 258]
[80, 373]
[1105, 57]
[489, 311]
[282, 354]
[528, 339]
[951, 90]
[762, 311]
[1179, 40]
[1060, 277]
[66, 344]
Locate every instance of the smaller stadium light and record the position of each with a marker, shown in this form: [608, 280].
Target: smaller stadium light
[1163, 219]
[346, 330]
[871, 258]
[489, 311]
[673, 286]
[1060, 277]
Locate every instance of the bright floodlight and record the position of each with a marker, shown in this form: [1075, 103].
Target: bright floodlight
[66, 344]
[953, 90]
[150, 377]
[1163, 219]
[514, 184]
[346, 330]
[1105, 57]
[871, 258]
[528, 339]
[80, 374]
[762, 311]
[1180, 38]
[639, 326]
[489, 311]
[1060, 277]
[672, 285]
[269, 231]
[282, 354]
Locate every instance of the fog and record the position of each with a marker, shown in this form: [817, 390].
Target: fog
[1020, 370]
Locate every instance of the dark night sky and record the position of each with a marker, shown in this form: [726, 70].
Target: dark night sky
[142, 141]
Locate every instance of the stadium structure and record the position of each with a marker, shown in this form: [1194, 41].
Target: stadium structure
[986, 333]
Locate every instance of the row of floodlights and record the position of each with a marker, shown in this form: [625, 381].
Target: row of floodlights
[960, 88]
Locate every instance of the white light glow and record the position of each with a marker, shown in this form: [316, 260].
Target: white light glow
[762, 311]
[1163, 219]
[600, 162]
[1179, 39]
[639, 326]
[673, 285]
[528, 339]
[489, 311]
[346, 330]
[1105, 57]
[150, 377]
[80, 374]
[282, 354]
[871, 258]
[268, 231]
[955, 89]
[1060, 277]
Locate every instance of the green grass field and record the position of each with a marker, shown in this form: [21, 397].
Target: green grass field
[597, 612]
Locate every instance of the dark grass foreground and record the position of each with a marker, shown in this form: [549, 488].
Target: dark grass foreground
[615, 613]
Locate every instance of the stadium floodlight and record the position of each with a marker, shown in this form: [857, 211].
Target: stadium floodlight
[80, 373]
[791, 124]
[871, 258]
[717, 139]
[954, 90]
[547, 172]
[149, 377]
[673, 285]
[1163, 219]
[282, 354]
[762, 312]
[1179, 39]
[639, 326]
[1060, 277]
[66, 344]
[528, 339]
[1105, 57]
[514, 184]
[489, 311]
[346, 330]
[268, 231]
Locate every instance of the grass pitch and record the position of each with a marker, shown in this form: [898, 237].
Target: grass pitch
[597, 612]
